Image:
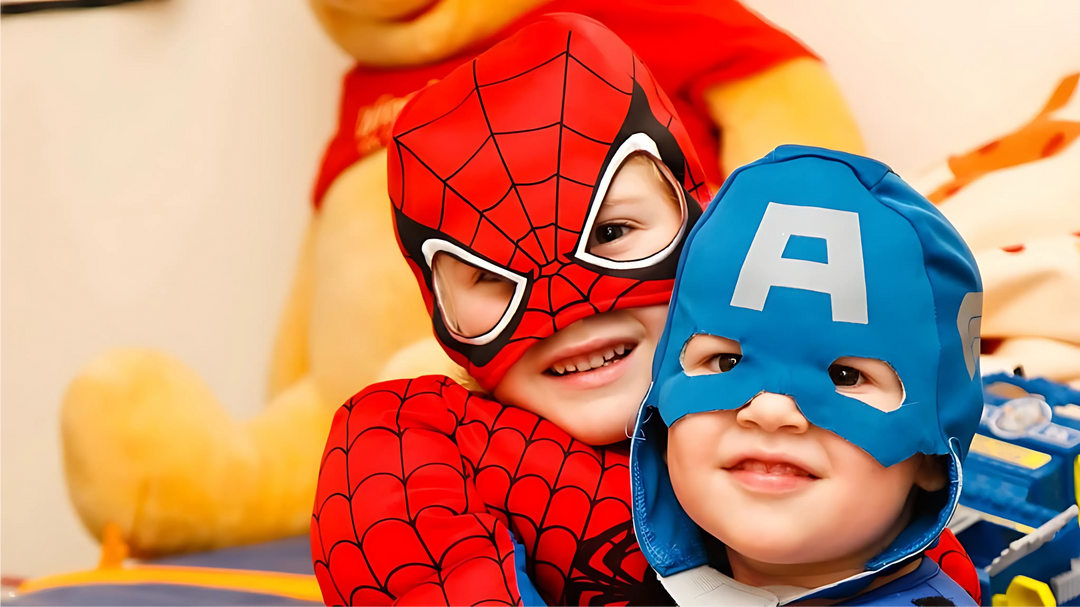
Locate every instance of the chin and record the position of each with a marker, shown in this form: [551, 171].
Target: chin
[600, 423]
[774, 544]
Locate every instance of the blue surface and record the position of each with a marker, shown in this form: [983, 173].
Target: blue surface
[147, 594]
[290, 555]
[1021, 494]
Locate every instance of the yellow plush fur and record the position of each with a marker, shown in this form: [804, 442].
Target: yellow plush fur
[148, 447]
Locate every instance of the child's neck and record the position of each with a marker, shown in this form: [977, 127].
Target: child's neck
[815, 575]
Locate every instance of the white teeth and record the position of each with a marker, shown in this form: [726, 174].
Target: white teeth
[593, 360]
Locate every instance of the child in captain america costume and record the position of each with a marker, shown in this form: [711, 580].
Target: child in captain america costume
[541, 196]
[815, 392]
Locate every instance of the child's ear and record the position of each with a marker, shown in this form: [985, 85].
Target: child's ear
[931, 475]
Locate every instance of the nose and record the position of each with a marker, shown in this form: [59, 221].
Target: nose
[772, 412]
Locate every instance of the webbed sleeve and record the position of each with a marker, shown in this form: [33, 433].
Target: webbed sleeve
[397, 519]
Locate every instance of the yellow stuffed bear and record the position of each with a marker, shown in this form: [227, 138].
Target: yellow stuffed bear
[148, 447]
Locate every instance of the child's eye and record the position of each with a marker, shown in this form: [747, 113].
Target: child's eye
[842, 375]
[488, 277]
[722, 363]
[610, 232]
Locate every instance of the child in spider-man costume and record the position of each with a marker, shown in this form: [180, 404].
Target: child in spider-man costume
[541, 195]
[816, 390]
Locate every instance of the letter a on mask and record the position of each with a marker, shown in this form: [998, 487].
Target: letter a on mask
[842, 276]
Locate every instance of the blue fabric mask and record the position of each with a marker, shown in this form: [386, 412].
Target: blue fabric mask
[803, 257]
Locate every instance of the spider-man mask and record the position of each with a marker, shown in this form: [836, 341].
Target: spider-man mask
[504, 166]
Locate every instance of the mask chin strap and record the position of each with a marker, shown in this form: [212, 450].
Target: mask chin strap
[706, 586]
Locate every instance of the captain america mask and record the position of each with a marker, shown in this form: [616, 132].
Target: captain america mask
[807, 259]
[503, 166]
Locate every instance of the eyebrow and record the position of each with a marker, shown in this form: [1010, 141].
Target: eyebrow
[624, 198]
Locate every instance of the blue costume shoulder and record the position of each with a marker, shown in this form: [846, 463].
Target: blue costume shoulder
[927, 585]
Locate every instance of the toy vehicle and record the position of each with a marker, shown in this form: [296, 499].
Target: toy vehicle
[1018, 505]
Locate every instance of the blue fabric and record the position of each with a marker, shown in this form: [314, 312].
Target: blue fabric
[529, 596]
[915, 588]
[917, 271]
[909, 293]
[807, 248]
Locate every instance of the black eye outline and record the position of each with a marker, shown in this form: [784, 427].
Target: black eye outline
[844, 376]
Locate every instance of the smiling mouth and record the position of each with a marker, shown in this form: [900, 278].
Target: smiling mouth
[777, 469]
[589, 361]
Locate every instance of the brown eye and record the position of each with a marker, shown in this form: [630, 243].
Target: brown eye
[610, 232]
[722, 363]
[844, 376]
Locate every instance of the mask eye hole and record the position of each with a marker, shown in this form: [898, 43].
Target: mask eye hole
[869, 380]
[473, 299]
[705, 354]
[641, 214]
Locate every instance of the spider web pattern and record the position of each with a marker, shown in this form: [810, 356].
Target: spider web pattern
[422, 484]
[505, 158]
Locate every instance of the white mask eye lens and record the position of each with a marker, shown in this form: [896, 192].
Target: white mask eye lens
[473, 300]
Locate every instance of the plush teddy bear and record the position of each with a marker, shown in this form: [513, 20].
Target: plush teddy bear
[1015, 200]
[148, 447]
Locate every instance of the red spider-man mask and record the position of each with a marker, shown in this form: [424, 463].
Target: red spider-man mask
[504, 165]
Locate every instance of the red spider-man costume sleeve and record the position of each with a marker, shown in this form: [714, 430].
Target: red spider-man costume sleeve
[397, 518]
[425, 486]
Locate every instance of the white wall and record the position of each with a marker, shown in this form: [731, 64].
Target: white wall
[929, 78]
[157, 161]
[157, 164]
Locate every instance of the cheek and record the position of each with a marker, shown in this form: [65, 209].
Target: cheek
[516, 386]
[478, 315]
[691, 444]
[669, 223]
[866, 494]
[652, 318]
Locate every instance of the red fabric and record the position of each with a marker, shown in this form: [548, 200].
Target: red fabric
[422, 484]
[500, 162]
[955, 562]
[688, 45]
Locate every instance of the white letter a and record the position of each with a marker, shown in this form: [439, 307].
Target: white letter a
[842, 277]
